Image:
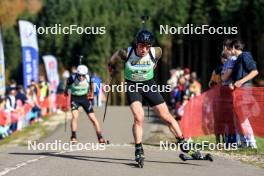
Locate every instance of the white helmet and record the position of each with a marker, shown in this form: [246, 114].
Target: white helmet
[82, 70]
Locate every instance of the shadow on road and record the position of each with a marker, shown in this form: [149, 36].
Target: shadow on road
[110, 160]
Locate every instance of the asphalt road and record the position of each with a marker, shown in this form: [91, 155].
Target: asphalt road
[116, 159]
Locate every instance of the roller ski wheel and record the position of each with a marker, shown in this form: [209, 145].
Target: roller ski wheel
[196, 156]
[209, 157]
[140, 162]
[73, 140]
[139, 156]
[103, 141]
[183, 157]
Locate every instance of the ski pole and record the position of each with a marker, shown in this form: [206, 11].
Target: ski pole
[64, 108]
[80, 59]
[65, 121]
[107, 97]
[148, 113]
[144, 18]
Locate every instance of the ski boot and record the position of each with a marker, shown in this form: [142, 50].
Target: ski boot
[139, 155]
[73, 138]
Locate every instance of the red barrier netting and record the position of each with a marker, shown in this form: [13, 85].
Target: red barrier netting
[63, 102]
[60, 101]
[220, 110]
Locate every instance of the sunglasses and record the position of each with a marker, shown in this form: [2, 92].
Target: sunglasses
[81, 76]
[142, 45]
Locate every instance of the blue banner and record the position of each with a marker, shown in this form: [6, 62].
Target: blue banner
[30, 57]
[30, 65]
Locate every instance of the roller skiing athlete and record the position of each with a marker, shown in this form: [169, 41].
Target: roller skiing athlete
[80, 84]
[140, 61]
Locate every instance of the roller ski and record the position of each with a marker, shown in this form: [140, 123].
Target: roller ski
[139, 156]
[196, 156]
[190, 153]
[101, 140]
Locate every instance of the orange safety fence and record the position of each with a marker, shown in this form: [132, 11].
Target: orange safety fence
[221, 110]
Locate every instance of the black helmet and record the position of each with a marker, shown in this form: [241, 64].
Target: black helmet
[144, 36]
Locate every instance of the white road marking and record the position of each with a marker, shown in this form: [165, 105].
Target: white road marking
[25, 163]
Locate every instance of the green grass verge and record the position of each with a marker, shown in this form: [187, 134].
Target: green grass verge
[26, 132]
[254, 155]
[245, 151]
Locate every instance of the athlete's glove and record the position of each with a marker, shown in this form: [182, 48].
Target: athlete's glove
[111, 68]
[90, 96]
[66, 93]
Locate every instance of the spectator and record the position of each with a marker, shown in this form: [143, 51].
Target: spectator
[65, 75]
[34, 84]
[21, 94]
[32, 100]
[73, 69]
[216, 74]
[228, 65]
[5, 120]
[44, 93]
[186, 74]
[179, 92]
[173, 81]
[60, 88]
[244, 71]
[12, 85]
[60, 91]
[11, 106]
[230, 134]
[44, 88]
[245, 68]
[174, 78]
[214, 81]
[180, 110]
[184, 85]
[63, 81]
[97, 90]
[195, 85]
